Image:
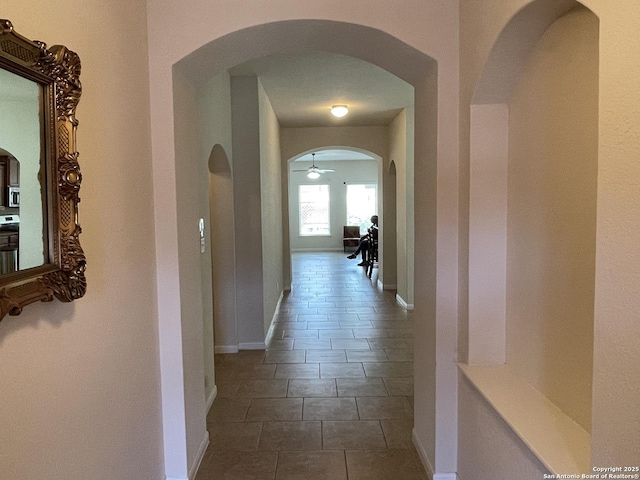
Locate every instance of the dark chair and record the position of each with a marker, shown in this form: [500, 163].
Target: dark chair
[372, 253]
[350, 236]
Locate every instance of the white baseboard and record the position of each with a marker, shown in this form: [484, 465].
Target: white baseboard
[386, 286]
[252, 346]
[426, 463]
[193, 471]
[226, 349]
[403, 303]
[212, 397]
[269, 334]
[240, 346]
[422, 454]
[200, 455]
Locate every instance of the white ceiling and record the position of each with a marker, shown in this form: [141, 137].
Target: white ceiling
[303, 87]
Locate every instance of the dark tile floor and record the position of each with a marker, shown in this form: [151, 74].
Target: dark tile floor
[332, 396]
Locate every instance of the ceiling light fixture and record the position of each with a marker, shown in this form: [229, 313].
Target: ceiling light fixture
[339, 110]
[314, 172]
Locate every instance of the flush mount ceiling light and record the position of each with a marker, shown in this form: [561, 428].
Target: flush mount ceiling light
[339, 110]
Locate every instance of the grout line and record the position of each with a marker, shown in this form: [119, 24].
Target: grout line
[275, 472]
[386, 442]
[385, 386]
[346, 466]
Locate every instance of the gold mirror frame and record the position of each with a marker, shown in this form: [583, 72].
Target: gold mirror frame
[57, 71]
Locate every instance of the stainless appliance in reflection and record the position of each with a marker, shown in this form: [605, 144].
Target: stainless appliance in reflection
[9, 238]
[14, 196]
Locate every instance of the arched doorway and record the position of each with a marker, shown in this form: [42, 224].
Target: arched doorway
[362, 166]
[222, 251]
[191, 79]
[390, 237]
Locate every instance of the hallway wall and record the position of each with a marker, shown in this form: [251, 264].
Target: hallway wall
[214, 124]
[192, 189]
[79, 382]
[401, 141]
[272, 207]
[247, 201]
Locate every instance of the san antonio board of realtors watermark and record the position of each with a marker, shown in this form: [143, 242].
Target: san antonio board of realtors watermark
[608, 473]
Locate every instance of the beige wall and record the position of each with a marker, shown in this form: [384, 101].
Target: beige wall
[271, 205]
[489, 448]
[615, 421]
[79, 382]
[195, 300]
[553, 161]
[488, 192]
[299, 140]
[398, 140]
[247, 200]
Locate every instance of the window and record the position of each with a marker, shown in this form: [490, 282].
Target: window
[362, 203]
[314, 210]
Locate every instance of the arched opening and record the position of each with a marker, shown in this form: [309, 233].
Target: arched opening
[352, 167]
[193, 79]
[390, 235]
[225, 335]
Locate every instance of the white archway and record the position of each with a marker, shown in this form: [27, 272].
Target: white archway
[191, 76]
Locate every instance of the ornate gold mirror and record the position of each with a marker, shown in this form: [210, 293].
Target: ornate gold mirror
[40, 254]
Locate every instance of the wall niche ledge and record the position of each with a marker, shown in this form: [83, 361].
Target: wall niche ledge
[553, 437]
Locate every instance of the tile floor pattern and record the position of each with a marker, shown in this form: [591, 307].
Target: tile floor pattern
[332, 396]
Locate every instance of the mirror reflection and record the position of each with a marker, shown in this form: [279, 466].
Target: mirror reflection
[40, 253]
[22, 200]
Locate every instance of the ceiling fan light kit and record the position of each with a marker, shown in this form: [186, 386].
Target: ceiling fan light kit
[314, 172]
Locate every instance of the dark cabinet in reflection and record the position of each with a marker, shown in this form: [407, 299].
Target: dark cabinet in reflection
[8, 252]
[9, 181]
[13, 172]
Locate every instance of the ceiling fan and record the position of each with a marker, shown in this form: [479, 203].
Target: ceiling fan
[314, 172]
